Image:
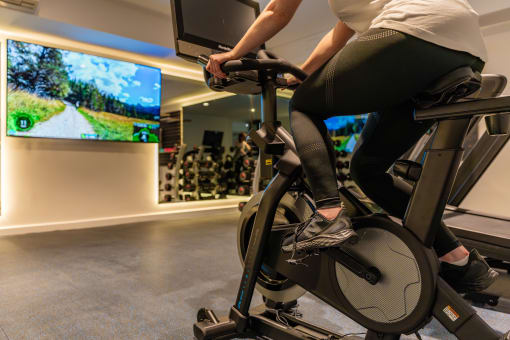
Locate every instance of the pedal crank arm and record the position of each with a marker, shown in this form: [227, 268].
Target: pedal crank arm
[369, 273]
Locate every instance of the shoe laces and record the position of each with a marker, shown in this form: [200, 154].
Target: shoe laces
[298, 231]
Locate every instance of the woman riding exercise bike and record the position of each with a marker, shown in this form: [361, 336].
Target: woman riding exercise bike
[401, 47]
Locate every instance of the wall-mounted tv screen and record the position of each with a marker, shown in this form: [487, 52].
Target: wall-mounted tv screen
[345, 130]
[55, 93]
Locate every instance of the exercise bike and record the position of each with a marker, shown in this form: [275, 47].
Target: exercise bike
[388, 282]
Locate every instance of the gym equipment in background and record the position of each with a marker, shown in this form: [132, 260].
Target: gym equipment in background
[488, 233]
[169, 173]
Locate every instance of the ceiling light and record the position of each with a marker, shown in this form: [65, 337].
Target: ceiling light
[205, 104]
[252, 110]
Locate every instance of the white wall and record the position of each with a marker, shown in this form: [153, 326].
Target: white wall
[119, 18]
[491, 194]
[61, 184]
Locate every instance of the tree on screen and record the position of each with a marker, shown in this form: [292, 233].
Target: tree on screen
[42, 71]
[39, 70]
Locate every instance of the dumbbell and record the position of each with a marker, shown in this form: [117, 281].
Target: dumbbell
[228, 162]
[189, 174]
[248, 163]
[189, 187]
[342, 165]
[222, 187]
[208, 186]
[168, 187]
[169, 176]
[342, 177]
[207, 164]
[207, 173]
[244, 176]
[167, 198]
[170, 165]
[243, 190]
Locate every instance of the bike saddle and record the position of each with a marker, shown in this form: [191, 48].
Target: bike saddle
[456, 85]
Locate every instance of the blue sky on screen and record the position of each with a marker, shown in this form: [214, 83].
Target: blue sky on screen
[339, 122]
[130, 83]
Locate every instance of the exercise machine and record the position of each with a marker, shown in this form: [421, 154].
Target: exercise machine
[362, 281]
[489, 234]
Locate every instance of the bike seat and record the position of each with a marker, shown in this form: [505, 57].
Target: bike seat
[458, 84]
[492, 86]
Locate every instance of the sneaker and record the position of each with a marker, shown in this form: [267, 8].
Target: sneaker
[318, 232]
[474, 277]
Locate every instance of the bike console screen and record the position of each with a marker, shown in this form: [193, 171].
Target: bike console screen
[206, 27]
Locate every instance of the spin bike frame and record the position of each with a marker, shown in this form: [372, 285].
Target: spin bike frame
[423, 215]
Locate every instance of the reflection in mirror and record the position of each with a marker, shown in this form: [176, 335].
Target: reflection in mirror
[171, 147]
[220, 161]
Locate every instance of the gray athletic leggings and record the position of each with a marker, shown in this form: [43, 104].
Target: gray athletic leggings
[378, 72]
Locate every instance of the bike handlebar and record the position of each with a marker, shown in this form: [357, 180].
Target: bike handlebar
[266, 61]
[278, 65]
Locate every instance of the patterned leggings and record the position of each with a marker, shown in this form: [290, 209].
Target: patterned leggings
[379, 72]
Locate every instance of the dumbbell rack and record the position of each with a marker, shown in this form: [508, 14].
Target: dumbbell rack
[169, 175]
[228, 175]
[246, 185]
[190, 168]
[343, 161]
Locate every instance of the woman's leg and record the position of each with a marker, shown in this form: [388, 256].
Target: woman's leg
[386, 136]
[380, 71]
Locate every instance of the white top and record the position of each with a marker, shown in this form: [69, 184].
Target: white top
[449, 23]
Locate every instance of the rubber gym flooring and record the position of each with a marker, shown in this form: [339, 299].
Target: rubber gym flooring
[136, 281]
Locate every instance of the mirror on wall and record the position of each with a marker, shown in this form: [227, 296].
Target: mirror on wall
[212, 159]
[171, 148]
[224, 164]
[215, 161]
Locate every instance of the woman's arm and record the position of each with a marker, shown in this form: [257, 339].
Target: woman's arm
[332, 42]
[275, 16]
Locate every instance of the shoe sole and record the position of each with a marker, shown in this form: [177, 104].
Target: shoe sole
[478, 286]
[324, 241]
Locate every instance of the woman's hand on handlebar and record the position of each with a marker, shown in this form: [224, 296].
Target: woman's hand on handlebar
[215, 62]
[293, 81]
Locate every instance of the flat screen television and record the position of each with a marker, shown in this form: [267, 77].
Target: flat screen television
[55, 93]
[212, 138]
[206, 27]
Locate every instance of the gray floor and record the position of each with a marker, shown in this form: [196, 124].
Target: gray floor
[138, 281]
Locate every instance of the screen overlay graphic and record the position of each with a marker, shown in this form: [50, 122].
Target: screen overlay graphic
[345, 130]
[54, 93]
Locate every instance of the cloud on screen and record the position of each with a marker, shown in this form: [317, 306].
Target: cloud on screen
[110, 76]
[146, 100]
